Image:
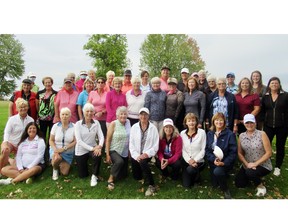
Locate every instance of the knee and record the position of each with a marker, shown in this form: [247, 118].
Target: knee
[5, 152]
[219, 171]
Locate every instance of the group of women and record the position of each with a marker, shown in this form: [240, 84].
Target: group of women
[79, 125]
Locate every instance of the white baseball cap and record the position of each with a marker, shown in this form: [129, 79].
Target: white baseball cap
[185, 70]
[168, 121]
[249, 118]
[144, 109]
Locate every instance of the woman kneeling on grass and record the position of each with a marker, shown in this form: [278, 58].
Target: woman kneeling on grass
[86, 132]
[117, 143]
[62, 143]
[254, 151]
[29, 158]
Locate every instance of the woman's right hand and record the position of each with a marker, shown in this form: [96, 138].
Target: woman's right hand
[108, 159]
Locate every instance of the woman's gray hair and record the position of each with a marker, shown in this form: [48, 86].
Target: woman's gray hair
[121, 109]
[110, 72]
[65, 110]
[212, 78]
[19, 102]
[221, 79]
[88, 106]
[155, 80]
[135, 79]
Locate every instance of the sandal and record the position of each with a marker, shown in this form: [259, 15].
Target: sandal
[111, 186]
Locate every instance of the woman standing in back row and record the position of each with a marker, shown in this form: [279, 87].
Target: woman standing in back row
[275, 111]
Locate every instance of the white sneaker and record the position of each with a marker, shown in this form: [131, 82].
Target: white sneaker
[55, 175]
[277, 171]
[5, 181]
[150, 191]
[29, 181]
[261, 191]
[93, 181]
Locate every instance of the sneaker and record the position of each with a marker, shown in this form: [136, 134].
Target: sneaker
[227, 194]
[93, 181]
[150, 191]
[29, 181]
[276, 171]
[5, 181]
[55, 174]
[261, 191]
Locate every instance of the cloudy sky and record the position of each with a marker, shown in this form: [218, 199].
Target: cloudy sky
[58, 54]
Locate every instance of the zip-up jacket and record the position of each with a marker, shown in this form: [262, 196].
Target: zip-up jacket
[277, 115]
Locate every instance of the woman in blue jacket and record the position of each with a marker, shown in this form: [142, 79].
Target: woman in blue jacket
[225, 139]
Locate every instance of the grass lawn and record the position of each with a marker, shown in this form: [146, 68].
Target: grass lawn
[72, 187]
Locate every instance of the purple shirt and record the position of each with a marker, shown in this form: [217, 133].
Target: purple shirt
[113, 101]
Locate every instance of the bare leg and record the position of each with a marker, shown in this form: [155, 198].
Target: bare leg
[64, 168]
[27, 174]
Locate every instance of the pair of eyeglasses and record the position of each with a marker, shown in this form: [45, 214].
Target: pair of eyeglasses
[100, 82]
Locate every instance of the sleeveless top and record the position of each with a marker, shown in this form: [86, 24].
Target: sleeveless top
[254, 148]
[120, 138]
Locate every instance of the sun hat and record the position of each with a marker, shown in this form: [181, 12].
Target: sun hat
[168, 121]
[249, 118]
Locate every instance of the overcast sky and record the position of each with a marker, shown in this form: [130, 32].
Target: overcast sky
[58, 54]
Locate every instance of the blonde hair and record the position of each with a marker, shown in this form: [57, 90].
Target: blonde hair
[65, 110]
[19, 102]
[117, 79]
[190, 116]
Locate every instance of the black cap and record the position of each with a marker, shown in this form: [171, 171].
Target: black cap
[27, 81]
[128, 73]
[165, 67]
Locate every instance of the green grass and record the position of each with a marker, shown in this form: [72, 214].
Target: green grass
[72, 187]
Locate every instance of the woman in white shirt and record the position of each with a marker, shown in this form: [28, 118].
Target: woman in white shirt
[29, 158]
[87, 131]
[193, 150]
[135, 99]
[62, 144]
[12, 133]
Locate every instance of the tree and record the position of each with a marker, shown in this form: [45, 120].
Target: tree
[109, 53]
[174, 50]
[11, 63]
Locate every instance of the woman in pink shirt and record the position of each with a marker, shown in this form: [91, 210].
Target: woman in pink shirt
[98, 99]
[66, 97]
[114, 99]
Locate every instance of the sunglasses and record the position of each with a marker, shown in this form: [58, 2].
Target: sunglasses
[100, 82]
[230, 76]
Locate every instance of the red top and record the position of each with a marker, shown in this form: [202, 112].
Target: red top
[176, 149]
[246, 104]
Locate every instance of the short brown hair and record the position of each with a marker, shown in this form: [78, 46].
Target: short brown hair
[190, 116]
[218, 115]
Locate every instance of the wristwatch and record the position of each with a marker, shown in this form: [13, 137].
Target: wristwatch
[65, 148]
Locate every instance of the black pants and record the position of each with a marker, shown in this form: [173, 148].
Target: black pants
[245, 175]
[176, 167]
[133, 121]
[82, 164]
[190, 174]
[119, 169]
[281, 134]
[46, 126]
[140, 168]
[219, 176]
